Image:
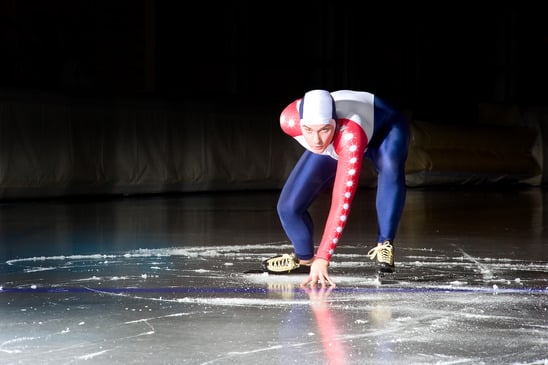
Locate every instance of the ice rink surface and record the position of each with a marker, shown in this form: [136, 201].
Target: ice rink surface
[159, 280]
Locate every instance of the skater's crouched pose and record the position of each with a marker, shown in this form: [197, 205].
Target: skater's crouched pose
[338, 129]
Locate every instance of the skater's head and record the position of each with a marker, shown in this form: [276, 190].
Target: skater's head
[318, 119]
[317, 107]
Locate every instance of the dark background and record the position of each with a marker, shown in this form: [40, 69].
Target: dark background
[439, 62]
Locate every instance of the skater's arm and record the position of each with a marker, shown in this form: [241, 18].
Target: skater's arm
[350, 145]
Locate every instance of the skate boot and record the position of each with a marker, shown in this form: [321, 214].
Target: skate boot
[383, 254]
[285, 264]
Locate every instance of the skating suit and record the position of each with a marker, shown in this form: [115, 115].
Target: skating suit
[366, 127]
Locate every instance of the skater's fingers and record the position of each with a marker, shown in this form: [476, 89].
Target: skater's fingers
[322, 281]
[314, 280]
[331, 282]
[307, 281]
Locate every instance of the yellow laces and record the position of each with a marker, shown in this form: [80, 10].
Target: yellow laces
[284, 262]
[382, 252]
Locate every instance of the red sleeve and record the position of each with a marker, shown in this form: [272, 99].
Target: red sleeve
[290, 119]
[350, 144]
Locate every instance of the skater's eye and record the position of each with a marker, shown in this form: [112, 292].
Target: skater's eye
[326, 129]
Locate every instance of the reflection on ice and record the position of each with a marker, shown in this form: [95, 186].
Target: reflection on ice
[195, 305]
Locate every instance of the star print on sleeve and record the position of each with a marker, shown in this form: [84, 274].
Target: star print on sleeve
[350, 144]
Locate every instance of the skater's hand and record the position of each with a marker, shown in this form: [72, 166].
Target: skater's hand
[318, 274]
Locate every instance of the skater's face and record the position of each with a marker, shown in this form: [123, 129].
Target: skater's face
[318, 136]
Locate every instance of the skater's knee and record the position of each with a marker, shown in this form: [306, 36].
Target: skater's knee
[284, 209]
[287, 211]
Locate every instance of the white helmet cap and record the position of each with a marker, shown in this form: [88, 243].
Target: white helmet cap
[317, 107]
